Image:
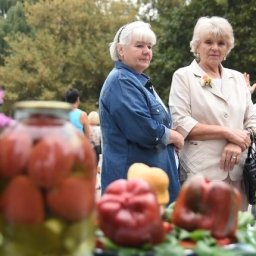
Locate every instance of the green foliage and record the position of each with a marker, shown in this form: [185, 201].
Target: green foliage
[68, 48]
[15, 21]
[12, 25]
[174, 26]
[47, 46]
[5, 5]
[243, 57]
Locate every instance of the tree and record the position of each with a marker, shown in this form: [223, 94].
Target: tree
[243, 57]
[5, 5]
[67, 46]
[12, 25]
[49, 45]
[174, 27]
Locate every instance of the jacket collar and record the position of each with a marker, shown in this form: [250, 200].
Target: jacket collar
[144, 79]
[226, 80]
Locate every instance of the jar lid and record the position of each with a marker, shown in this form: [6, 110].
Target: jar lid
[24, 109]
[40, 104]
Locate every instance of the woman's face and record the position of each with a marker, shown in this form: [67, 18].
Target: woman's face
[137, 55]
[212, 50]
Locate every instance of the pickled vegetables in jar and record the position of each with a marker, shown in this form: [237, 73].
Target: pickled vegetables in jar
[47, 184]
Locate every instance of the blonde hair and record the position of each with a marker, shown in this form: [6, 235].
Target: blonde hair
[93, 118]
[217, 26]
[139, 30]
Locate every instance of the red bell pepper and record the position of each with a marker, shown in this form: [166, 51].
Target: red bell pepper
[210, 205]
[129, 214]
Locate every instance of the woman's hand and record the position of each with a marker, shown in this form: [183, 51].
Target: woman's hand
[177, 140]
[248, 83]
[240, 138]
[230, 156]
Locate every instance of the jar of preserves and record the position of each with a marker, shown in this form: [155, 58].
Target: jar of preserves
[47, 184]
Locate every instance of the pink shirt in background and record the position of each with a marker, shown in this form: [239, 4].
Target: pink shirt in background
[5, 120]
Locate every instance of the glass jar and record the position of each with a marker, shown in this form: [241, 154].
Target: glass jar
[47, 184]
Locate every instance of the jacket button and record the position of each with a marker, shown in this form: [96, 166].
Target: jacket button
[157, 139]
[226, 115]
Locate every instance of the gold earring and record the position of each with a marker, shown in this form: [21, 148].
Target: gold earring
[197, 55]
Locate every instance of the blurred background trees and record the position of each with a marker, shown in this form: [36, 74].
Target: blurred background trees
[62, 43]
[175, 24]
[47, 46]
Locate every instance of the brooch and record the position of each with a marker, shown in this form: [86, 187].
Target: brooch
[206, 81]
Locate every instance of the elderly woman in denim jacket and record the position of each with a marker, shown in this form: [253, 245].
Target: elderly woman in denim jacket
[136, 126]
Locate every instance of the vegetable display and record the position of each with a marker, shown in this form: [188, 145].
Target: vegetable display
[209, 205]
[204, 221]
[129, 214]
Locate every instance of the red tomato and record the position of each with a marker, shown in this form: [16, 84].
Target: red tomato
[73, 199]
[188, 244]
[168, 227]
[85, 158]
[50, 161]
[14, 153]
[23, 202]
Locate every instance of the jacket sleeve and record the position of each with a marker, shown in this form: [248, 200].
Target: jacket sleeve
[179, 102]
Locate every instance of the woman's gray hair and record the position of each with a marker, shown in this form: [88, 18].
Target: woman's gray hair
[216, 26]
[139, 30]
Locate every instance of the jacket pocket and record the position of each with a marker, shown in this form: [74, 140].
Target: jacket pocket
[157, 112]
[192, 158]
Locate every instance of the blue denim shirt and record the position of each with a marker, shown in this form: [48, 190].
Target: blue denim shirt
[134, 128]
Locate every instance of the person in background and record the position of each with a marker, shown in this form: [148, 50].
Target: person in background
[95, 132]
[212, 108]
[77, 117]
[135, 124]
[252, 87]
[95, 138]
[4, 119]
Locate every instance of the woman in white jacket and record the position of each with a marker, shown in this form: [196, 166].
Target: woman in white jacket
[212, 108]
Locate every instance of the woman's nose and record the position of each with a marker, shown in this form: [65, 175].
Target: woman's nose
[214, 46]
[146, 49]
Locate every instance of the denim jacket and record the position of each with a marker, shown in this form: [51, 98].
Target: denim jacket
[135, 128]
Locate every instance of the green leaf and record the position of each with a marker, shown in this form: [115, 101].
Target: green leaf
[245, 219]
